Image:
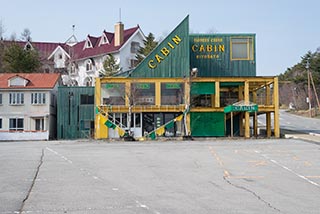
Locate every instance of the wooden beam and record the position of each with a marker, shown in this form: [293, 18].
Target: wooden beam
[247, 114]
[276, 108]
[158, 93]
[217, 94]
[268, 124]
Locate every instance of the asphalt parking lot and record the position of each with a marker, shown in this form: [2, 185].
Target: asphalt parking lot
[216, 176]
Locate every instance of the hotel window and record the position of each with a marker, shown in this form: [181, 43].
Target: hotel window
[38, 98]
[0, 123]
[16, 98]
[0, 99]
[89, 65]
[16, 124]
[39, 124]
[242, 48]
[135, 46]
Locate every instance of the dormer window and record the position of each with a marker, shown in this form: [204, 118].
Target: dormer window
[17, 81]
[28, 46]
[103, 40]
[87, 44]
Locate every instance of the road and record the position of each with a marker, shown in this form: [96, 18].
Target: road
[294, 123]
[216, 176]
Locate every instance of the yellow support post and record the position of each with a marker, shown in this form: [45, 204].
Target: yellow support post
[158, 93]
[268, 122]
[217, 95]
[101, 131]
[247, 114]
[97, 105]
[255, 118]
[276, 108]
[268, 101]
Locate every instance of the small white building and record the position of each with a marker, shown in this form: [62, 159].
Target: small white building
[28, 106]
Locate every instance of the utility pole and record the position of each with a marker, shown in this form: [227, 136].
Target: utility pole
[309, 89]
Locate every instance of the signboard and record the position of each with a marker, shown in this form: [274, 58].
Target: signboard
[173, 85]
[235, 108]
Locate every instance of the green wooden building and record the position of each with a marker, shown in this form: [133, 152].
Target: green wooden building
[194, 77]
[75, 112]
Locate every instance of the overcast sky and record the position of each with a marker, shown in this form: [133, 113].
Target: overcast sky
[285, 29]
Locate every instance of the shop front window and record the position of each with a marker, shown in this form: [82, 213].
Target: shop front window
[113, 94]
[143, 93]
[172, 93]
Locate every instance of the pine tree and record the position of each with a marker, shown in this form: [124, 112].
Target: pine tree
[110, 66]
[149, 45]
[16, 59]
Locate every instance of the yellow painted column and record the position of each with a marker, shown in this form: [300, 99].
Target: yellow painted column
[101, 131]
[158, 93]
[268, 124]
[240, 93]
[217, 94]
[255, 118]
[247, 114]
[97, 102]
[255, 124]
[268, 100]
[276, 107]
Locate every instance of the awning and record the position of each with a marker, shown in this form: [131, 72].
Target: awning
[241, 106]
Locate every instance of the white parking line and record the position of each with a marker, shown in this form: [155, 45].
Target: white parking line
[288, 169]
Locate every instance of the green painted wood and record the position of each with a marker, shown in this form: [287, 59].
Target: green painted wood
[198, 88]
[211, 54]
[207, 124]
[74, 118]
[170, 58]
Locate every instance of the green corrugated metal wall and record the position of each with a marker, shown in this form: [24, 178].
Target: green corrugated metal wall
[72, 115]
[170, 58]
[207, 124]
[213, 59]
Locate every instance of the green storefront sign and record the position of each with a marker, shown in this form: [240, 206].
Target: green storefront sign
[234, 108]
[173, 85]
[143, 86]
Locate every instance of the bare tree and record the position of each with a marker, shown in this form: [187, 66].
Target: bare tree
[26, 35]
[2, 30]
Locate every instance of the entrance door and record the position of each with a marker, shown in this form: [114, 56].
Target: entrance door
[122, 120]
[136, 124]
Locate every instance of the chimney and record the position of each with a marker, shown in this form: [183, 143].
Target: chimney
[118, 34]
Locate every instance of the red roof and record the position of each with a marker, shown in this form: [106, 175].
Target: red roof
[80, 53]
[44, 48]
[36, 80]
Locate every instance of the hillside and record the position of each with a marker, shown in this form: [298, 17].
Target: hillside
[293, 83]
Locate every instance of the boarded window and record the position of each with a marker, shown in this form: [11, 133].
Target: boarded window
[241, 49]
